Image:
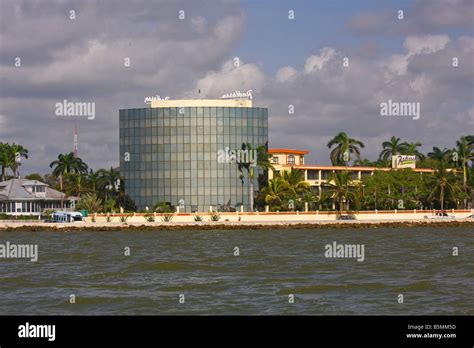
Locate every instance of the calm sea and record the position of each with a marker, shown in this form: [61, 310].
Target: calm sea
[417, 263]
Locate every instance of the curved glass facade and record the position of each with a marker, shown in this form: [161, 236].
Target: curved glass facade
[171, 155]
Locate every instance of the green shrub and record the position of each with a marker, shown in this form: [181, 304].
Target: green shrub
[215, 216]
[198, 218]
[150, 218]
[167, 217]
[164, 207]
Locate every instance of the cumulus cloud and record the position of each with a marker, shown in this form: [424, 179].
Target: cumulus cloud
[286, 73]
[414, 45]
[84, 60]
[234, 75]
[316, 62]
[348, 99]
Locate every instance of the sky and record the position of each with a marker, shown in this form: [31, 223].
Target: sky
[295, 61]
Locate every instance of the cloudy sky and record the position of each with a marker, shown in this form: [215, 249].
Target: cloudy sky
[284, 61]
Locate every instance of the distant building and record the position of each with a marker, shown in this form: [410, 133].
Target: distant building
[171, 152]
[31, 197]
[318, 176]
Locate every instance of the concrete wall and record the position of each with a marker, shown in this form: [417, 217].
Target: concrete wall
[286, 216]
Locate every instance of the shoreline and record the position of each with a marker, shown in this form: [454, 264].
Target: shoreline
[181, 226]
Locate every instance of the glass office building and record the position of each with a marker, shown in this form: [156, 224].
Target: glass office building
[169, 153]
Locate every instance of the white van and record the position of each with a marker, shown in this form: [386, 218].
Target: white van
[67, 216]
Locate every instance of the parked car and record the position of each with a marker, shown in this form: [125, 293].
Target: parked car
[439, 215]
[471, 217]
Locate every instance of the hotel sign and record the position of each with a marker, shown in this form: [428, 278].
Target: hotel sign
[404, 161]
[238, 95]
[149, 99]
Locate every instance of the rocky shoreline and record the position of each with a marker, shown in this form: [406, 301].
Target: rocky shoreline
[111, 227]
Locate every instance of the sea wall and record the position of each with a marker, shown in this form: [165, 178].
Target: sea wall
[405, 215]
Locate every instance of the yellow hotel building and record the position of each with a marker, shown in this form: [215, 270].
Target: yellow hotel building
[317, 176]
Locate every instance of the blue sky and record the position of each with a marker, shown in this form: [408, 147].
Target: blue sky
[274, 41]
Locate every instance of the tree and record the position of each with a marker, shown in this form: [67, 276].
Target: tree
[109, 181]
[412, 149]
[241, 167]
[93, 180]
[90, 202]
[76, 184]
[363, 163]
[9, 156]
[35, 176]
[126, 202]
[66, 164]
[342, 190]
[5, 160]
[295, 181]
[392, 148]
[464, 152]
[275, 192]
[262, 162]
[445, 185]
[18, 152]
[345, 146]
[439, 155]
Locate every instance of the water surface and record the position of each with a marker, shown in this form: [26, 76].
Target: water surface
[415, 262]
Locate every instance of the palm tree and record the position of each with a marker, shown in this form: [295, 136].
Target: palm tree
[66, 164]
[93, 180]
[109, 181]
[18, 152]
[241, 167]
[296, 183]
[345, 146]
[465, 152]
[7, 158]
[392, 148]
[76, 184]
[90, 202]
[412, 149]
[445, 185]
[439, 155]
[263, 162]
[275, 191]
[341, 190]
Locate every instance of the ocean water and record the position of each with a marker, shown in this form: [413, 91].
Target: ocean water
[417, 263]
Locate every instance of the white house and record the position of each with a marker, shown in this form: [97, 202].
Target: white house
[31, 197]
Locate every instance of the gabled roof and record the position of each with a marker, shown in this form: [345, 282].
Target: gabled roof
[16, 189]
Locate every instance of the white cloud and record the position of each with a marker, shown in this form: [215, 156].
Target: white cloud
[286, 74]
[415, 45]
[230, 78]
[314, 62]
